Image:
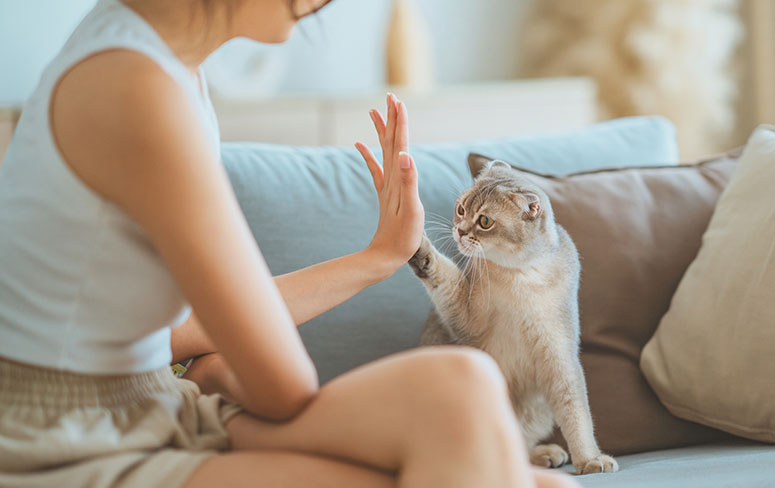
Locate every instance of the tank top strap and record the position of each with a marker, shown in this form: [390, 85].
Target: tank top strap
[113, 25]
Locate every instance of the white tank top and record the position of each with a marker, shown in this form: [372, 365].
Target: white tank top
[81, 286]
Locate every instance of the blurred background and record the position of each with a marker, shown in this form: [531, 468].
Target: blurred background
[466, 69]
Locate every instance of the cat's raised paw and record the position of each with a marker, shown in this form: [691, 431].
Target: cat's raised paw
[548, 456]
[599, 464]
[421, 261]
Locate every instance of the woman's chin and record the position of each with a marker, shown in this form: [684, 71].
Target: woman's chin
[278, 37]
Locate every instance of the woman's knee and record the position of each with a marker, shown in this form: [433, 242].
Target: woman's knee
[460, 378]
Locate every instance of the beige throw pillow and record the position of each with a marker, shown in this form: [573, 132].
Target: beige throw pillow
[712, 357]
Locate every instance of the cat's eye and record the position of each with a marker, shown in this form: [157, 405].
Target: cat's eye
[460, 210]
[485, 222]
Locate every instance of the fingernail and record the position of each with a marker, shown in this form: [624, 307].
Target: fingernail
[403, 159]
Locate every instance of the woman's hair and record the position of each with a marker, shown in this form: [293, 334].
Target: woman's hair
[209, 8]
[297, 16]
[208, 5]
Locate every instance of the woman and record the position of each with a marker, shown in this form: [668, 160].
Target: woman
[115, 207]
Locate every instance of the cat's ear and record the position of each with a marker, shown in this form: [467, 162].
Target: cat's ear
[529, 203]
[479, 164]
[498, 164]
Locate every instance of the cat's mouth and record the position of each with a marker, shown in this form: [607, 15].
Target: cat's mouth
[466, 246]
[466, 250]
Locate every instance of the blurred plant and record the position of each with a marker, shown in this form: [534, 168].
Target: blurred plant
[669, 57]
[409, 52]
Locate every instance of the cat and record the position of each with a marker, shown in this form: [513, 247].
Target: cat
[519, 303]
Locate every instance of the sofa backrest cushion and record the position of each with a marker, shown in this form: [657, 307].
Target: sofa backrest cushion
[306, 205]
[712, 358]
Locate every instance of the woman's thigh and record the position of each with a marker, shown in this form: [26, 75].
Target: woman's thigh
[374, 413]
[274, 469]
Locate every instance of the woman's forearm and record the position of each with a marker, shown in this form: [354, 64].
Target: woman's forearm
[189, 340]
[307, 293]
[316, 289]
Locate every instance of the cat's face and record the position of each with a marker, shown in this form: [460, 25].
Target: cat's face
[499, 217]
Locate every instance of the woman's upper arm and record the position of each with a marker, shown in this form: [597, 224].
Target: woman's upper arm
[131, 133]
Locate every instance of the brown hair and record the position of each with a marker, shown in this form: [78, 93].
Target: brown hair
[292, 6]
[208, 6]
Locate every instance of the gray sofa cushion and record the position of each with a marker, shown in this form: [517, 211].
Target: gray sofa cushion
[310, 204]
[732, 464]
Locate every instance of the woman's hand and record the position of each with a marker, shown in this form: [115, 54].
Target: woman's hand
[401, 214]
[213, 375]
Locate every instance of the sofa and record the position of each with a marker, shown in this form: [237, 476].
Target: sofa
[305, 205]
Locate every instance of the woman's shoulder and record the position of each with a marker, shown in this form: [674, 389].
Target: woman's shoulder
[115, 111]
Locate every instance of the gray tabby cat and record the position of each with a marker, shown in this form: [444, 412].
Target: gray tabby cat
[519, 304]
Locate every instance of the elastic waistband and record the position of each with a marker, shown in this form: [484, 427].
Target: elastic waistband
[35, 386]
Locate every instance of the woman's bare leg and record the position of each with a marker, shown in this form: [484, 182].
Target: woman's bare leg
[259, 469]
[434, 416]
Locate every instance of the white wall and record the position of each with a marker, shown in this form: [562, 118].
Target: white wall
[31, 33]
[342, 49]
[339, 50]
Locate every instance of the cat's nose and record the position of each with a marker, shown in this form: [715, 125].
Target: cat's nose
[461, 232]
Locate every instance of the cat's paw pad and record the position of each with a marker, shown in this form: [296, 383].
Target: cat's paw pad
[598, 464]
[548, 456]
[421, 261]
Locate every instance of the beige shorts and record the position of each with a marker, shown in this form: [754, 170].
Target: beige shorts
[144, 430]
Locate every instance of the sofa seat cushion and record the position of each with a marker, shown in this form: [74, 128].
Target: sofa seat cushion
[738, 464]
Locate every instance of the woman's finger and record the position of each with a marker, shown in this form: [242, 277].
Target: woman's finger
[371, 162]
[379, 125]
[401, 141]
[410, 194]
[390, 133]
[402, 129]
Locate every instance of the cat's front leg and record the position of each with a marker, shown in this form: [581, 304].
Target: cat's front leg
[445, 283]
[567, 395]
[423, 260]
[432, 267]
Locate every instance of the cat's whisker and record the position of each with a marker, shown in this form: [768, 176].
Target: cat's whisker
[438, 226]
[437, 218]
[464, 273]
[447, 245]
[477, 270]
[436, 215]
[473, 278]
[487, 271]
